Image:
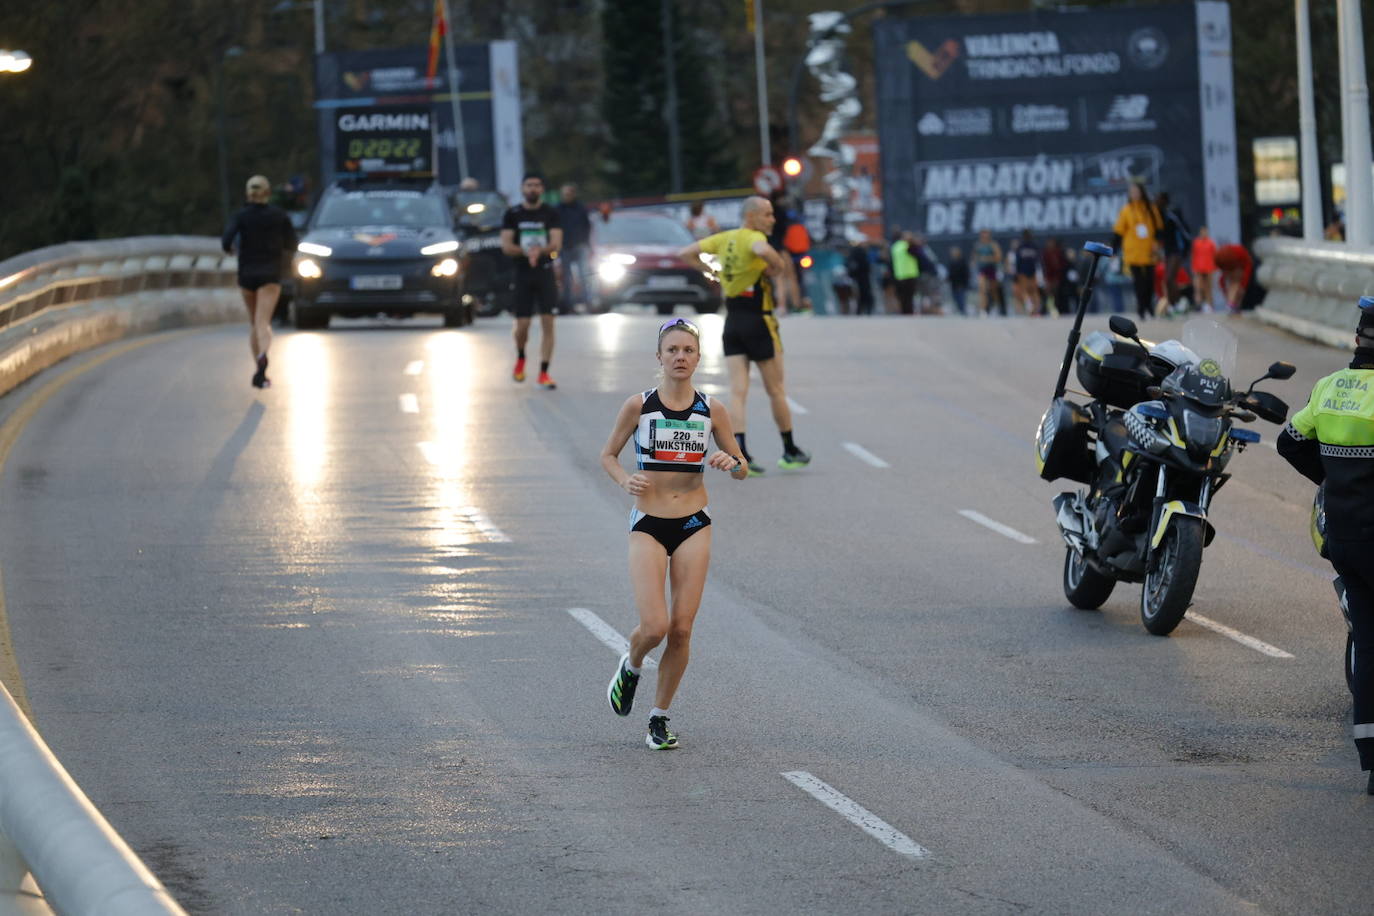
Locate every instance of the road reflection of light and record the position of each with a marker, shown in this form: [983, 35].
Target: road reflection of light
[450, 375]
[610, 328]
[308, 392]
[712, 355]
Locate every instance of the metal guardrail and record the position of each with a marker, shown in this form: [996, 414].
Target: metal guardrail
[1313, 287]
[47, 825]
[78, 272]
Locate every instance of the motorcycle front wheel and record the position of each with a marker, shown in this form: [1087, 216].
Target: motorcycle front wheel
[1086, 588]
[1172, 576]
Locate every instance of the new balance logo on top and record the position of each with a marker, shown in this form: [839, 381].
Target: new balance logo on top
[692, 522]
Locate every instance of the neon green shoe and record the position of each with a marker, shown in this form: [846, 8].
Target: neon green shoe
[659, 738]
[793, 460]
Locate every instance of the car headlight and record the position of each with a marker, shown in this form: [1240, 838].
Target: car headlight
[439, 248]
[308, 269]
[319, 251]
[611, 271]
[445, 268]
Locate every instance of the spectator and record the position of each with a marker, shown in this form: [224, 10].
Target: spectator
[928, 281]
[1114, 282]
[959, 277]
[1135, 236]
[1066, 293]
[859, 263]
[1025, 283]
[1236, 267]
[1204, 267]
[700, 223]
[1175, 238]
[906, 270]
[576, 223]
[987, 257]
[1335, 231]
[1053, 264]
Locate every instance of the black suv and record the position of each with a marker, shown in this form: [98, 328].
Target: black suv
[378, 247]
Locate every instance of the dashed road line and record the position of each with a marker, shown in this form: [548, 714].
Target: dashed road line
[857, 814]
[1251, 642]
[479, 520]
[606, 633]
[415, 367]
[409, 403]
[864, 455]
[796, 408]
[1000, 528]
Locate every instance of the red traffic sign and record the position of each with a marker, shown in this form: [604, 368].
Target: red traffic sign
[767, 179]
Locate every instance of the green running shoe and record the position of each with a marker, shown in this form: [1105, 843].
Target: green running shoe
[621, 691]
[659, 738]
[793, 460]
[755, 469]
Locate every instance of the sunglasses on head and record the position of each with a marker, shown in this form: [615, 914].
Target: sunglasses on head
[680, 323]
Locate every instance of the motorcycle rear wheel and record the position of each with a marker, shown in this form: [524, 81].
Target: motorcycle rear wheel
[1172, 576]
[1086, 588]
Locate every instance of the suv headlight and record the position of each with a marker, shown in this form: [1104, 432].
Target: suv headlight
[319, 251]
[445, 268]
[308, 269]
[439, 248]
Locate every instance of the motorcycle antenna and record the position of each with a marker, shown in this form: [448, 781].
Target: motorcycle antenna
[1097, 251]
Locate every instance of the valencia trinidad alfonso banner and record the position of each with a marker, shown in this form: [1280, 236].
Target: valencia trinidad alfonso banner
[1040, 120]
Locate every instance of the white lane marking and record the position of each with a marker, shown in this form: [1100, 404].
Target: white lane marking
[1000, 528]
[409, 403]
[1248, 641]
[796, 408]
[415, 367]
[479, 520]
[863, 454]
[606, 633]
[857, 815]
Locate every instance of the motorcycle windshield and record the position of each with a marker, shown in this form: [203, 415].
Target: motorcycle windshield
[1210, 340]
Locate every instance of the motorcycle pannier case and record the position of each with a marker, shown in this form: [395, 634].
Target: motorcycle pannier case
[1112, 369]
[1062, 446]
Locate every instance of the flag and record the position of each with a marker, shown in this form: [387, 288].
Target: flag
[436, 37]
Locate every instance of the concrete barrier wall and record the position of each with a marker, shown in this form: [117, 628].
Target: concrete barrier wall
[1314, 287]
[54, 303]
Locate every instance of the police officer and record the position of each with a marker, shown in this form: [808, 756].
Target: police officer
[1331, 441]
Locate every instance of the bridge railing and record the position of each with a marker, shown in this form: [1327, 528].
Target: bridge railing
[55, 302]
[1314, 287]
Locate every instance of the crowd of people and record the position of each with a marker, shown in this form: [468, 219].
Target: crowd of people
[1161, 263]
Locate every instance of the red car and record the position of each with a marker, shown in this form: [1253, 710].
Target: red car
[634, 258]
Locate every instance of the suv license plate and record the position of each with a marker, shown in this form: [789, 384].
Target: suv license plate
[376, 281]
[670, 281]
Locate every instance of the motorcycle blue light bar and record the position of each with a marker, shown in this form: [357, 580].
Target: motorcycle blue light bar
[1245, 435]
[1098, 248]
[1367, 303]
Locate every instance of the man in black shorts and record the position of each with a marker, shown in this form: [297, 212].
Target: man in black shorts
[531, 235]
[749, 267]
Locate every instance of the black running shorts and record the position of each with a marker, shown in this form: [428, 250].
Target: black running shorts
[751, 333]
[253, 280]
[536, 292]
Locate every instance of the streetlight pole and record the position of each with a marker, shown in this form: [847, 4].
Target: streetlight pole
[1307, 130]
[670, 105]
[761, 78]
[1359, 186]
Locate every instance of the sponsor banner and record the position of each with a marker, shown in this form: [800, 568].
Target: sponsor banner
[1040, 121]
[486, 84]
[399, 140]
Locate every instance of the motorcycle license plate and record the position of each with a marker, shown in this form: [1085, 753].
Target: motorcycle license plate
[376, 281]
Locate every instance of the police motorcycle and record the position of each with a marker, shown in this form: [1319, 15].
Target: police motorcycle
[1152, 444]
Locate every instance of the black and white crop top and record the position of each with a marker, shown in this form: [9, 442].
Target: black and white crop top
[673, 440]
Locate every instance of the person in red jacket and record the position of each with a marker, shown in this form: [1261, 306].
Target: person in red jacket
[1204, 266]
[1236, 266]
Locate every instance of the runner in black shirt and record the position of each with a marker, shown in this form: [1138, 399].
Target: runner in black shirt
[265, 235]
[531, 235]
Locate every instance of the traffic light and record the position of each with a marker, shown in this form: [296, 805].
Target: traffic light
[792, 166]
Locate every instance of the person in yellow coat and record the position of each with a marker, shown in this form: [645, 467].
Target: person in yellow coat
[1135, 237]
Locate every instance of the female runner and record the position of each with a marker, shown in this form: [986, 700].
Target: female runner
[670, 527]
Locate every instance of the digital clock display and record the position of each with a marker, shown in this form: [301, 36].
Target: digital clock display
[392, 139]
